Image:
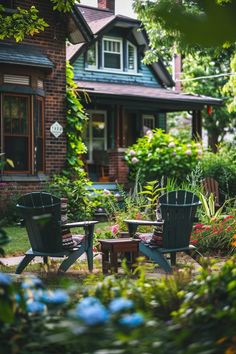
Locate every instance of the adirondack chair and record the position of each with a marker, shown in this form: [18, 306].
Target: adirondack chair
[177, 209]
[42, 214]
[210, 185]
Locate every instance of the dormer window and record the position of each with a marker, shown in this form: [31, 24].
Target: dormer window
[131, 57]
[112, 54]
[92, 57]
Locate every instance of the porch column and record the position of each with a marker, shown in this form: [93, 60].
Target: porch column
[197, 125]
[118, 169]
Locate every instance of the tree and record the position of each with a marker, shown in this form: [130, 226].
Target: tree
[193, 28]
[217, 121]
[24, 22]
[190, 23]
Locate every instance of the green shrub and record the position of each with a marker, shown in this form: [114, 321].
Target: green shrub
[222, 167]
[158, 154]
[122, 314]
[80, 205]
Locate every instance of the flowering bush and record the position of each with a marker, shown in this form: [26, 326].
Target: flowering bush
[121, 315]
[159, 154]
[218, 236]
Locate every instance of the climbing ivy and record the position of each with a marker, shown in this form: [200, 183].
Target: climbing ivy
[75, 123]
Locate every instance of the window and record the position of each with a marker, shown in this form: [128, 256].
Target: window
[92, 56]
[148, 122]
[112, 54]
[21, 134]
[131, 57]
[96, 140]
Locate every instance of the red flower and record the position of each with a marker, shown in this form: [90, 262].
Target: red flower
[198, 226]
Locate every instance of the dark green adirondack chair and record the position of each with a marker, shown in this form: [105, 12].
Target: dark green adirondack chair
[41, 213]
[178, 209]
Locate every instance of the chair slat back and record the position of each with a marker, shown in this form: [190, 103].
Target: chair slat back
[42, 214]
[178, 209]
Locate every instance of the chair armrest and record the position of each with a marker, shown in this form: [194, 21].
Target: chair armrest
[144, 222]
[133, 225]
[79, 224]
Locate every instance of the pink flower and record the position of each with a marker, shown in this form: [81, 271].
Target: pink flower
[188, 152]
[132, 152]
[106, 191]
[171, 144]
[134, 160]
[199, 152]
[114, 229]
[149, 133]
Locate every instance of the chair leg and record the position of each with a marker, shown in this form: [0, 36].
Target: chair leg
[155, 256]
[45, 260]
[89, 254]
[195, 254]
[173, 258]
[25, 261]
[70, 260]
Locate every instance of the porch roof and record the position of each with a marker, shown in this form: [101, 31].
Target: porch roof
[21, 54]
[166, 98]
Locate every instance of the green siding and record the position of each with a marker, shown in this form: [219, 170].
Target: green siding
[145, 77]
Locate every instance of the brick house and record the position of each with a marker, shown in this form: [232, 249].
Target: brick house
[32, 97]
[127, 97]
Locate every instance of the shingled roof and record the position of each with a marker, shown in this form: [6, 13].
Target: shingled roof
[143, 93]
[96, 18]
[22, 54]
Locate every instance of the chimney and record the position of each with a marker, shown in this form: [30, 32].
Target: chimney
[177, 71]
[107, 4]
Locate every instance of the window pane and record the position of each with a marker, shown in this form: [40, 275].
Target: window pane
[112, 61]
[16, 130]
[15, 110]
[98, 125]
[131, 57]
[16, 149]
[91, 56]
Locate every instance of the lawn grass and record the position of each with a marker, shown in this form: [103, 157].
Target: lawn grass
[19, 240]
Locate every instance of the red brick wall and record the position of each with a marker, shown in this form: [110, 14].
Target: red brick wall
[52, 43]
[118, 168]
[107, 4]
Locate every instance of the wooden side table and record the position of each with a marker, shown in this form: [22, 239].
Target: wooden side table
[112, 247]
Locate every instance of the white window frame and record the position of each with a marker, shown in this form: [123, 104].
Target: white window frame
[149, 117]
[96, 58]
[112, 39]
[90, 135]
[135, 58]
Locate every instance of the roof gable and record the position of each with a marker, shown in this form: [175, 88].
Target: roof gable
[101, 21]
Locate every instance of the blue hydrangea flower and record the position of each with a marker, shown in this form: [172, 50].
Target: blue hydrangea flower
[5, 279]
[132, 320]
[93, 314]
[32, 282]
[35, 307]
[88, 301]
[55, 297]
[120, 304]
